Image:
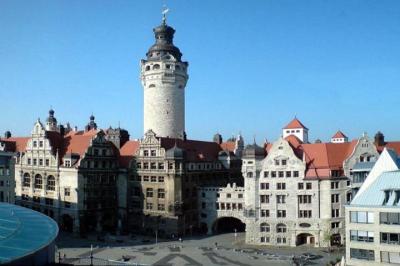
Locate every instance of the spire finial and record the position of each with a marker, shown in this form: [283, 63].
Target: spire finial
[164, 13]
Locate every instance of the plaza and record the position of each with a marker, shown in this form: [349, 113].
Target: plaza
[214, 250]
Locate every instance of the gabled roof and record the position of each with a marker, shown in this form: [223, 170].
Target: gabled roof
[295, 123]
[339, 135]
[16, 144]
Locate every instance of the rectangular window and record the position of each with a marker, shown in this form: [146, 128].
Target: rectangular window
[390, 257]
[389, 218]
[300, 185]
[161, 207]
[334, 184]
[149, 192]
[153, 179]
[335, 225]
[362, 254]
[273, 174]
[305, 213]
[264, 186]
[146, 178]
[281, 186]
[145, 153]
[266, 174]
[280, 174]
[390, 238]
[281, 213]
[335, 213]
[153, 166]
[41, 144]
[308, 185]
[240, 196]
[284, 162]
[47, 162]
[264, 198]
[264, 213]
[67, 191]
[34, 161]
[335, 198]
[35, 144]
[361, 217]
[280, 198]
[149, 206]
[361, 236]
[153, 153]
[295, 173]
[40, 161]
[288, 174]
[160, 179]
[161, 193]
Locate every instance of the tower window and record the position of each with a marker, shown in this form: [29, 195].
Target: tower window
[156, 66]
[168, 66]
[147, 68]
[152, 86]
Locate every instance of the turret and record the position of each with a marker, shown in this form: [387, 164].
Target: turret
[51, 122]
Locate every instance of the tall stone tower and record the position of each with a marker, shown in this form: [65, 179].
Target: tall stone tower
[164, 76]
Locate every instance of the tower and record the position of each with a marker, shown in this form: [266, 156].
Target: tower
[164, 77]
[51, 121]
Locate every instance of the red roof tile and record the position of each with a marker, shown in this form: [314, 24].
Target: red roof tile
[295, 123]
[17, 144]
[127, 152]
[228, 146]
[339, 135]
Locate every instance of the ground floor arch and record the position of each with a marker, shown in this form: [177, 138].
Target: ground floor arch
[228, 225]
[305, 239]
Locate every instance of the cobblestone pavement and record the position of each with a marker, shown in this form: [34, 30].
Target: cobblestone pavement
[195, 252]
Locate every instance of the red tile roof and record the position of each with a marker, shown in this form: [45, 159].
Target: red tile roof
[228, 146]
[127, 152]
[295, 123]
[394, 145]
[339, 135]
[16, 144]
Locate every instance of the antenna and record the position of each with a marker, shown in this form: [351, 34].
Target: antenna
[164, 13]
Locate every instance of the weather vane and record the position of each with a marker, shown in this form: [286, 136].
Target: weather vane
[164, 13]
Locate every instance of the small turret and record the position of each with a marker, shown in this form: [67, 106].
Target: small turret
[217, 138]
[51, 121]
[92, 124]
[7, 134]
[379, 139]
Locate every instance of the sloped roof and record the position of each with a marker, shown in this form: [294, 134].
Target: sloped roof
[16, 144]
[127, 152]
[374, 194]
[228, 146]
[395, 145]
[295, 123]
[339, 134]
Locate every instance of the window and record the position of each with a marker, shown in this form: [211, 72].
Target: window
[295, 173]
[160, 179]
[265, 239]
[264, 213]
[266, 174]
[335, 213]
[161, 193]
[29, 161]
[264, 198]
[335, 225]
[280, 174]
[240, 206]
[283, 162]
[47, 162]
[146, 178]
[145, 153]
[389, 218]
[34, 162]
[300, 185]
[67, 191]
[281, 198]
[361, 236]
[288, 174]
[51, 183]
[156, 67]
[281, 213]
[153, 166]
[153, 153]
[149, 206]
[304, 199]
[41, 143]
[264, 186]
[149, 192]
[281, 228]
[264, 227]
[240, 196]
[38, 181]
[250, 174]
[40, 161]
[27, 180]
[281, 186]
[305, 214]
[335, 185]
[308, 185]
[390, 257]
[34, 143]
[361, 217]
[161, 207]
[281, 240]
[153, 179]
[276, 162]
[335, 198]
[390, 238]
[273, 174]
[362, 254]
[161, 166]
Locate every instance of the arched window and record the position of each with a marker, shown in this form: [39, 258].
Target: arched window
[51, 183]
[152, 86]
[38, 181]
[147, 68]
[27, 180]
[250, 174]
[264, 227]
[281, 228]
[156, 66]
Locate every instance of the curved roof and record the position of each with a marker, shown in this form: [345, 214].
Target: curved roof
[23, 232]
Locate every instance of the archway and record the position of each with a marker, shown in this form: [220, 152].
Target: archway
[228, 225]
[67, 223]
[305, 239]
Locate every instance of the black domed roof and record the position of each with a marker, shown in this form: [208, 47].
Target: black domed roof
[253, 150]
[164, 35]
[51, 118]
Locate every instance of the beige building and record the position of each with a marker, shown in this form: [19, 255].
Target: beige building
[7, 168]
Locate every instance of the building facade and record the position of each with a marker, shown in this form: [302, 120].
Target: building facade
[7, 168]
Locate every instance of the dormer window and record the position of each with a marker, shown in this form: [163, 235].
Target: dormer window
[387, 196]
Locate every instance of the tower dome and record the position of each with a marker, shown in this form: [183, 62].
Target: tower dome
[51, 121]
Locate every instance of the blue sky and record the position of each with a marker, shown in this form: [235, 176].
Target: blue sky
[253, 65]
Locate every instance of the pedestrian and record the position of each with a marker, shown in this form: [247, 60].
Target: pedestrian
[180, 239]
[216, 245]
